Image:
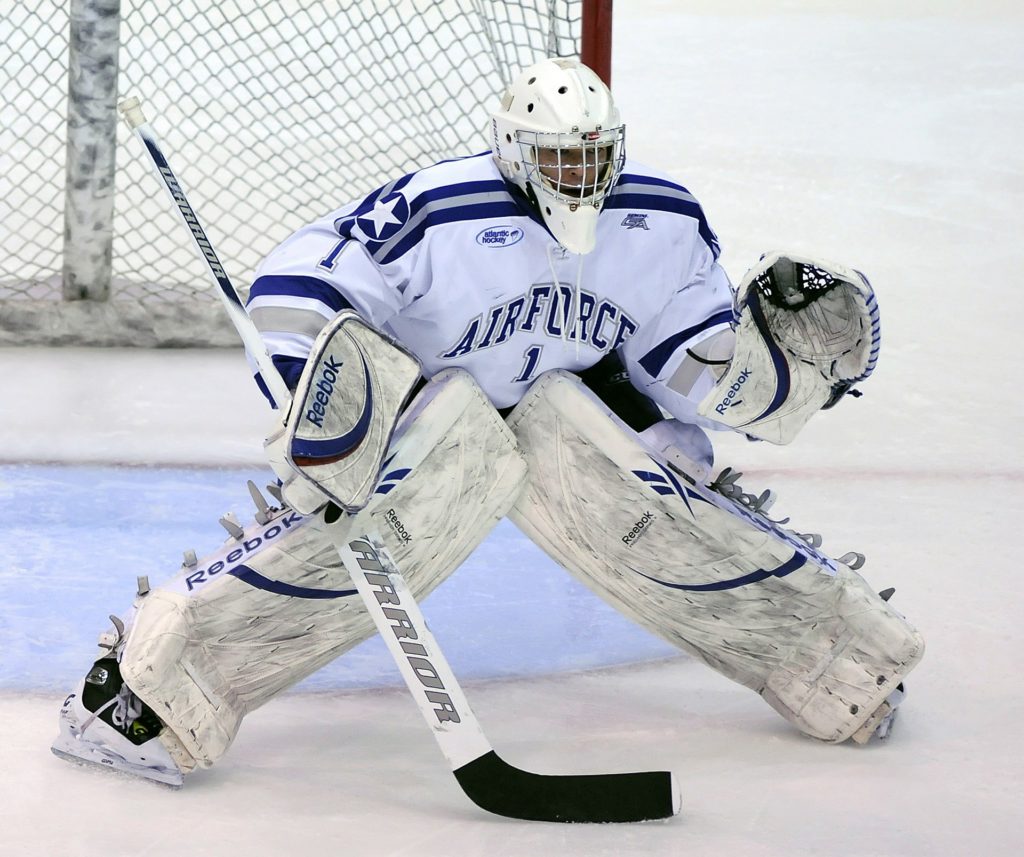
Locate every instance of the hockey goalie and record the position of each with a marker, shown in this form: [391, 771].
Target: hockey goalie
[542, 331]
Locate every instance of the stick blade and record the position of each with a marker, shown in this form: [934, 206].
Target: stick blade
[498, 787]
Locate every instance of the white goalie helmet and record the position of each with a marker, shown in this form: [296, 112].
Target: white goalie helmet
[558, 137]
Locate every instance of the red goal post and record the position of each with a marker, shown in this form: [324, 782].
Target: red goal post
[278, 112]
[596, 37]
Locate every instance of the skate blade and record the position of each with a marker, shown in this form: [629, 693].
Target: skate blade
[96, 758]
[878, 725]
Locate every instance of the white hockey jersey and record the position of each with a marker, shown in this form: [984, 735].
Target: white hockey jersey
[455, 264]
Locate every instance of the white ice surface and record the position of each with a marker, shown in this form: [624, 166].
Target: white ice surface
[887, 136]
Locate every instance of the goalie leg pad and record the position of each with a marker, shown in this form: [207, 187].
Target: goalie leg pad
[275, 603]
[704, 572]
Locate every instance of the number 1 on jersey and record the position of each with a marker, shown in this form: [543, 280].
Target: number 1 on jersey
[329, 260]
[532, 358]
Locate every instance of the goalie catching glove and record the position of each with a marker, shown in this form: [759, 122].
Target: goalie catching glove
[807, 331]
[335, 435]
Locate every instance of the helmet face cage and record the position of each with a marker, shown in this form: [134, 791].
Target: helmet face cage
[576, 168]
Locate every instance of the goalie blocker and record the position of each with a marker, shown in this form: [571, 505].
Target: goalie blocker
[707, 573]
[333, 439]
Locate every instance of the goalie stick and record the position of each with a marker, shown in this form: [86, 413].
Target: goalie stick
[489, 781]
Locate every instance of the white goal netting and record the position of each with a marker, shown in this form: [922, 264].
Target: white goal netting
[272, 113]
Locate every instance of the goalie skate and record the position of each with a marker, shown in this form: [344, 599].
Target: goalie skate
[104, 724]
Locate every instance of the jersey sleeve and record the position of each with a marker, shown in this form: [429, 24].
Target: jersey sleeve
[662, 358]
[307, 280]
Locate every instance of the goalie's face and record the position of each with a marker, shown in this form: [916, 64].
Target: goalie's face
[575, 173]
[576, 168]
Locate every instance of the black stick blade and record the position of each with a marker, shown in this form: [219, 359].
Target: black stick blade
[493, 784]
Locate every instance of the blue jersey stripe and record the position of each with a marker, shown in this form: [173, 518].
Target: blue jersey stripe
[299, 287]
[462, 189]
[409, 234]
[346, 224]
[264, 389]
[655, 359]
[290, 369]
[478, 211]
[636, 178]
[367, 203]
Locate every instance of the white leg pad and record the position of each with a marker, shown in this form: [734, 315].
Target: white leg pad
[275, 604]
[748, 598]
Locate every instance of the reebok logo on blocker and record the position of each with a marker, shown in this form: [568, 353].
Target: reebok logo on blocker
[329, 371]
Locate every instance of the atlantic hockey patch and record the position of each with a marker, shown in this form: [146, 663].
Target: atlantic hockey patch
[499, 236]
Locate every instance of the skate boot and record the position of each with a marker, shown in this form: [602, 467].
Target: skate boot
[103, 723]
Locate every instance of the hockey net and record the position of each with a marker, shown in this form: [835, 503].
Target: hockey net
[272, 114]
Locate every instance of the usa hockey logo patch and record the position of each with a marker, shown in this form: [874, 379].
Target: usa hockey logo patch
[634, 220]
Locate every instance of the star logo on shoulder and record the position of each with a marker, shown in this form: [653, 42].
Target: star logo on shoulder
[387, 216]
